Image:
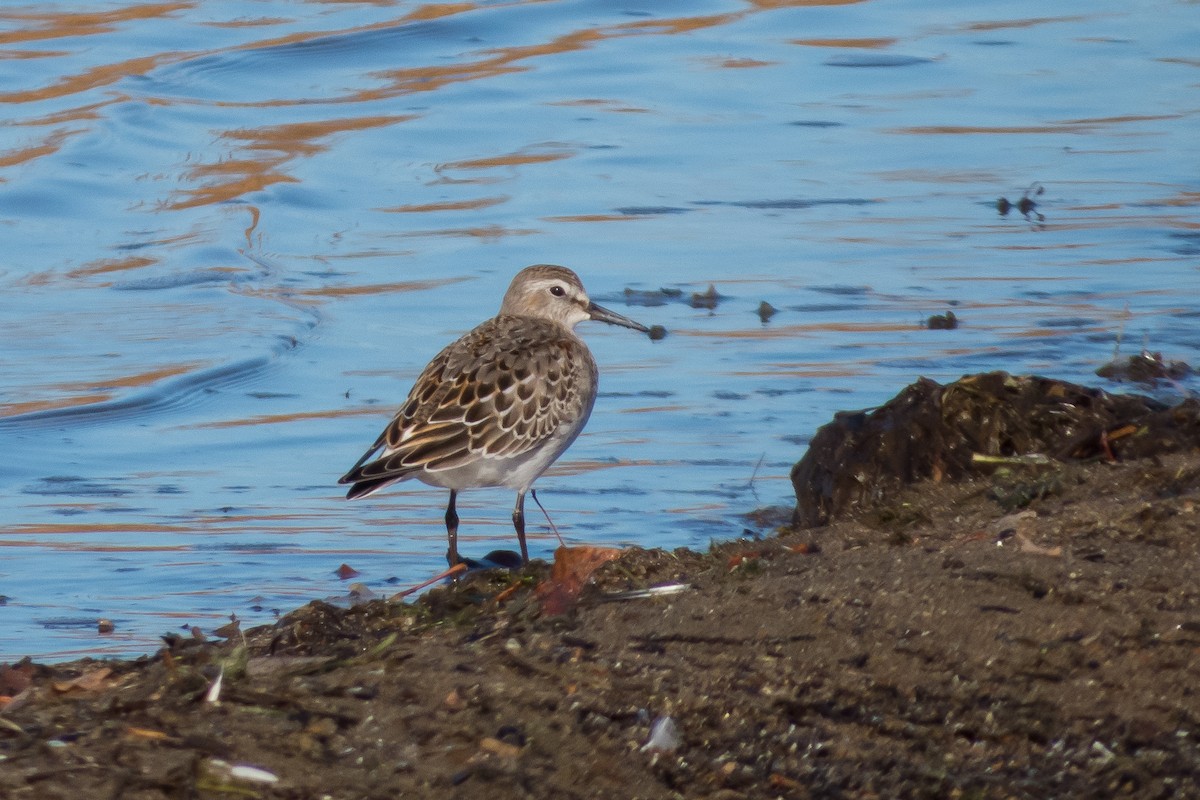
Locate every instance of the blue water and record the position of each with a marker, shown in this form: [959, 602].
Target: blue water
[234, 232]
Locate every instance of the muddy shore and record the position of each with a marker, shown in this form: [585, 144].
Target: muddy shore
[944, 639]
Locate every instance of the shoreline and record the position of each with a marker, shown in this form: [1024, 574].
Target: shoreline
[1018, 633]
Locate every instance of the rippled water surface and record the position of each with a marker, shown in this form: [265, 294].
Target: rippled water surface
[234, 232]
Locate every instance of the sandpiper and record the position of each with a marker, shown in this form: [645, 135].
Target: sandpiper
[498, 406]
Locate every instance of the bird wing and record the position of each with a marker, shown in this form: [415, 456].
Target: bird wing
[498, 392]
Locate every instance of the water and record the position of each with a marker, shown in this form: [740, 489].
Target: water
[234, 232]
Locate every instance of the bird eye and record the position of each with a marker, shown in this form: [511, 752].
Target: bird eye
[558, 291]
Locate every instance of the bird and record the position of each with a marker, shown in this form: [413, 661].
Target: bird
[498, 406]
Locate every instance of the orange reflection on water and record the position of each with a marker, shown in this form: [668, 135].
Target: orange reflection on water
[936, 130]
[83, 528]
[299, 416]
[86, 547]
[816, 370]
[97, 76]
[615, 106]
[501, 61]
[678, 24]
[768, 5]
[31, 406]
[585, 466]
[998, 25]
[84, 393]
[1183, 198]
[868, 44]
[107, 265]
[85, 112]
[268, 149]
[49, 146]
[654, 409]
[460, 205]
[244, 22]
[739, 63]
[597, 218]
[377, 288]
[485, 232]
[790, 331]
[519, 158]
[45, 25]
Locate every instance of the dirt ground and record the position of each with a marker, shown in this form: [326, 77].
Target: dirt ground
[1021, 633]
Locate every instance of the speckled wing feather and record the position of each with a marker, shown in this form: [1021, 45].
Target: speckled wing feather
[498, 392]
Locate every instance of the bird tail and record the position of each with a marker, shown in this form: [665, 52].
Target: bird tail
[365, 487]
[364, 484]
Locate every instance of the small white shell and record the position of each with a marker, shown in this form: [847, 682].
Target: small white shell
[664, 737]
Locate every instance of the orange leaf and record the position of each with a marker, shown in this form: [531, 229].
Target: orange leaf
[573, 567]
[147, 733]
[16, 679]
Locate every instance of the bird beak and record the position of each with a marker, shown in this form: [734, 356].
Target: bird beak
[602, 314]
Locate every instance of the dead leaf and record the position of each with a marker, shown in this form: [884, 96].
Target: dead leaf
[499, 748]
[16, 679]
[1027, 546]
[91, 681]
[573, 568]
[148, 733]
[737, 559]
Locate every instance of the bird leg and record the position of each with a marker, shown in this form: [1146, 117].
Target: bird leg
[553, 527]
[519, 524]
[452, 530]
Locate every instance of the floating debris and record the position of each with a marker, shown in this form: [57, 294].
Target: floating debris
[706, 299]
[766, 311]
[1027, 206]
[1147, 368]
[942, 322]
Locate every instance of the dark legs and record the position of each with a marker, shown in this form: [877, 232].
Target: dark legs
[452, 530]
[518, 517]
[519, 524]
